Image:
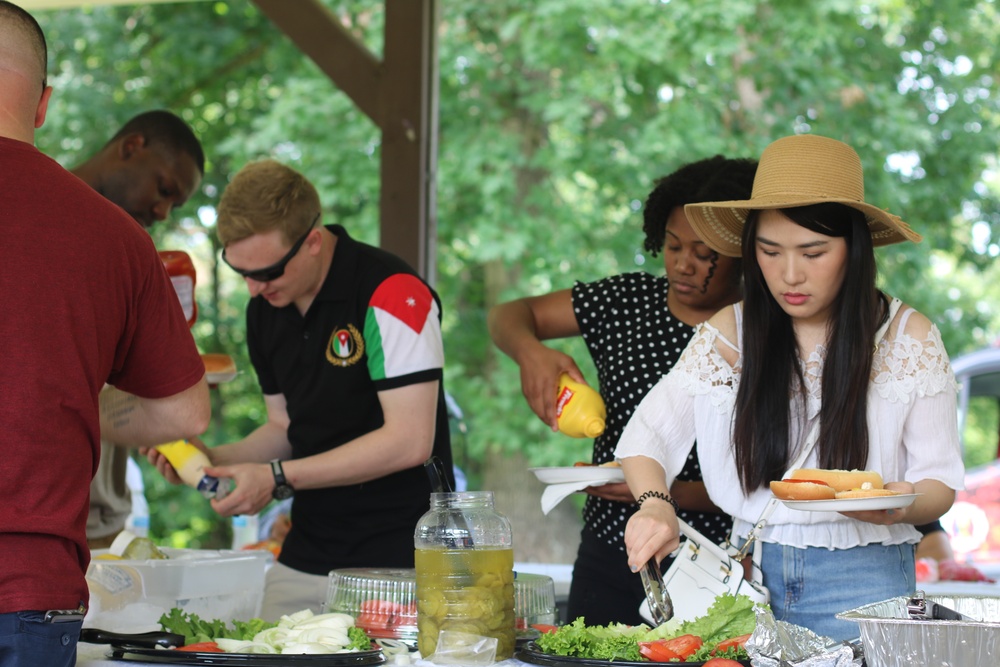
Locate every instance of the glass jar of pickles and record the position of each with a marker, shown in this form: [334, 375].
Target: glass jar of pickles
[465, 571]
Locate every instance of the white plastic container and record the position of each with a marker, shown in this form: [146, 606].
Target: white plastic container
[131, 595]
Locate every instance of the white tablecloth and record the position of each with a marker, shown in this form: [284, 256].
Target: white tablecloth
[94, 655]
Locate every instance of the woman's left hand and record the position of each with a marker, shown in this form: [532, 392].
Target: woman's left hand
[886, 517]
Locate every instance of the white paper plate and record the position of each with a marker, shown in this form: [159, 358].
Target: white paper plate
[218, 378]
[853, 504]
[596, 474]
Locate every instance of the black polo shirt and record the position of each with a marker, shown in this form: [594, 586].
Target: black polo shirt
[374, 325]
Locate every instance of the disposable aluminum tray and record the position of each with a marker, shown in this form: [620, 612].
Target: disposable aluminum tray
[892, 639]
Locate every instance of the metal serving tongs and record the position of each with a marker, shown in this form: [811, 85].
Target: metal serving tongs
[437, 475]
[441, 484]
[141, 640]
[921, 609]
[660, 604]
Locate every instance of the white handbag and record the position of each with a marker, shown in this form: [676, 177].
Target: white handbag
[703, 570]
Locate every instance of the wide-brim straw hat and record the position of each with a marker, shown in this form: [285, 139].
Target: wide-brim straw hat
[797, 171]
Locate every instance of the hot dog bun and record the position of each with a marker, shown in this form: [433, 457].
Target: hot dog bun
[865, 493]
[841, 480]
[802, 489]
[218, 363]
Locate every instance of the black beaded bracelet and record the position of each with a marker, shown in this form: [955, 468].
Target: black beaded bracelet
[661, 496]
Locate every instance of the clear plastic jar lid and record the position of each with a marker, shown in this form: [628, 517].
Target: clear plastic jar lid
[384, 601]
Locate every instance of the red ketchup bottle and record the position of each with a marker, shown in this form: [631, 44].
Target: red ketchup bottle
[180, 268]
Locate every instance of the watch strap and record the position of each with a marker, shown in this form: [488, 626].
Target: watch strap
[278, 472]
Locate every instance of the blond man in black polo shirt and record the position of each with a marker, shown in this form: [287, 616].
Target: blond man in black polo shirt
[346, 342]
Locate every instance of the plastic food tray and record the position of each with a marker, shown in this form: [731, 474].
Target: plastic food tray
[384, 601]
[130, 595]
[892, 639]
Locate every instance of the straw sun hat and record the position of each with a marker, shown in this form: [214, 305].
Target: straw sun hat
[797, 171]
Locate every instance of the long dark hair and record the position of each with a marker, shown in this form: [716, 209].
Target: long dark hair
[772, 377]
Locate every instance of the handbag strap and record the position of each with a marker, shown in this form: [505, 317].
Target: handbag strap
[758, 527]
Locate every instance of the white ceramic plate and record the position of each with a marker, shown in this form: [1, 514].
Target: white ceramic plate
[853, 504]
[596, 474]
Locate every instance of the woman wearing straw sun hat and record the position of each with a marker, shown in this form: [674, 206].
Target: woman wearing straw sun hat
[815, 353]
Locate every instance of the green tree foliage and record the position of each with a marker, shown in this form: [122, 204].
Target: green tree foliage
[556, 116]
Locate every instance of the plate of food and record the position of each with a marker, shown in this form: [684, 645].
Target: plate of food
[178, 657]
[815, 490]
[532, 654]
[598, 474]
[894, 501]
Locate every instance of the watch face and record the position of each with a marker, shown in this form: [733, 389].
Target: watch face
[283, 491]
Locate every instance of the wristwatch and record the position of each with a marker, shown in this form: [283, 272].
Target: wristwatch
[282, 489]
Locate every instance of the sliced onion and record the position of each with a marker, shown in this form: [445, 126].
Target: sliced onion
[392, 646]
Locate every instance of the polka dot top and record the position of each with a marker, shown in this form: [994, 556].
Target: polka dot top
[634, 341]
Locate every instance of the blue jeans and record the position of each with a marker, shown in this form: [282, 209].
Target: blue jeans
[810, 586]
[26, 640]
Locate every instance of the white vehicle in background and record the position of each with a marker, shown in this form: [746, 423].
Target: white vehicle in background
[973, 523]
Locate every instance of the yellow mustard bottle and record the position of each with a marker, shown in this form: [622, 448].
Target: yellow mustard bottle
[190, 463]
[580, 410]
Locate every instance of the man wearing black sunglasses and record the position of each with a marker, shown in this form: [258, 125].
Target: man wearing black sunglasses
[346, 342]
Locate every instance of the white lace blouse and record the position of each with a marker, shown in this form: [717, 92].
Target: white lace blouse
[912, 425]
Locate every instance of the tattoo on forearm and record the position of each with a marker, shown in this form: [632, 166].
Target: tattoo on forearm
[117, 407]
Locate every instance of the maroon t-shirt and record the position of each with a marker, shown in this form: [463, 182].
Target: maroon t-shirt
[84, 301]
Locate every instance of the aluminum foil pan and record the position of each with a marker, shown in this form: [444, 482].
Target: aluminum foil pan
[892, 639]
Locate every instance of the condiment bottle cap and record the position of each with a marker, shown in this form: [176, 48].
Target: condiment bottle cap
[594, 427]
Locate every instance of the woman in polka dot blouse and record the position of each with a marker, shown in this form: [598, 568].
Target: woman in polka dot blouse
[635, 326]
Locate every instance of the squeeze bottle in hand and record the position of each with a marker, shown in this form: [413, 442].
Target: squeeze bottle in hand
[580, 410]
[190, 463]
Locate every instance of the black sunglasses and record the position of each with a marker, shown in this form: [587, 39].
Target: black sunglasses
[276, 270]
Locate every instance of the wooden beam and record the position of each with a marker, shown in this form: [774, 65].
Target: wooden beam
[316, 31]
[32, 5]
[409, 97]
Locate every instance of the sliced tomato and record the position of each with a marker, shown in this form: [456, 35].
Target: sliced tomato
[201, 647]
[732, 642]
[545, 628]
[721, 662]
[656, 651]
[684, 646]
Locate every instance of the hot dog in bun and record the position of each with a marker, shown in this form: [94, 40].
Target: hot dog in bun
[218, 363]
[842, 480]
[803, 489]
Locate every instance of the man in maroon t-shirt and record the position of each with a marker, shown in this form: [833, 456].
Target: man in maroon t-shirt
[85, 302]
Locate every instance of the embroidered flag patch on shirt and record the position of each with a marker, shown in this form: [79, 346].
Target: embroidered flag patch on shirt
[402, 328]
